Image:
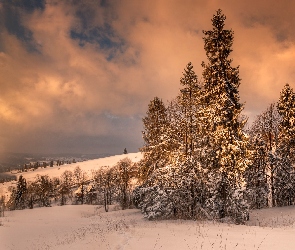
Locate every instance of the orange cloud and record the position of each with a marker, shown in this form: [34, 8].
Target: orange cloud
[71, 90]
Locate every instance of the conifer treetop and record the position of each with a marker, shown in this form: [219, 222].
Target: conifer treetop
[286, 108]
[190, 82]
[189, 75]
[218, 41]
[221, 80]
[287, 96]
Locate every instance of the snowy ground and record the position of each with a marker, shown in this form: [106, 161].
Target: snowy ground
[89, 227]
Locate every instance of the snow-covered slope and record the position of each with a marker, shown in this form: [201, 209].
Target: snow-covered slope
[89, 227]
[87, 166]
[56, 171]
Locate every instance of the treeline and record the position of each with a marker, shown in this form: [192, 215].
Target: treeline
[32, 166]
[199, 160]
[106, 186]
[270, 177]
[5, 177]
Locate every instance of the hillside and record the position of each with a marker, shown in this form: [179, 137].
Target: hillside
[56, 171]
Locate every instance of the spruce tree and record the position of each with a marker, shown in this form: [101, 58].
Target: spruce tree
[286, 109]
[227, 145]
[156, 148]
[285, 179]
[189, 103]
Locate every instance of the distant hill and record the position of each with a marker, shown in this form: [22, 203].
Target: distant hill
[87, 165]
[11, 161]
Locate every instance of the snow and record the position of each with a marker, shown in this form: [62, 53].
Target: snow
[87, 166]
[90, 227]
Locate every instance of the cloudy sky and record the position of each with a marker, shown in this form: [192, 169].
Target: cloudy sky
[77, 76]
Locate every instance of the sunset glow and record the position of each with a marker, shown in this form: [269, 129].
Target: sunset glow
[77, 76]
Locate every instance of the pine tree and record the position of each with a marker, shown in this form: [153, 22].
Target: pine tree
[156, 147]
[189, 103]
[21, 190]
[227, 145]
[285, 174]
[286, 109]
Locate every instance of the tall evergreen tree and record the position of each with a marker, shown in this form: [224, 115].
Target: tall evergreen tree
[286, 109]
[227, 145]
[156, 146]
[285, 179]
[190, 103]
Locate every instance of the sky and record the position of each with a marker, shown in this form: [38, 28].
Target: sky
[77, 76]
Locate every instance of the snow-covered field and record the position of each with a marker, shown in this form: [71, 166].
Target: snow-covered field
[89, 227]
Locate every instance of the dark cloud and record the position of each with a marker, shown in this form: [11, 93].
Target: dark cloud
[42, 141]
[104, 37]
[13, 12]
[28, 5]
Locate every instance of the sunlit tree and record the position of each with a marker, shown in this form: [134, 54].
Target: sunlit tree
[226, 154]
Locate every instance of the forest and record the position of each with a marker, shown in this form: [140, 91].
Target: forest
[200, 160]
